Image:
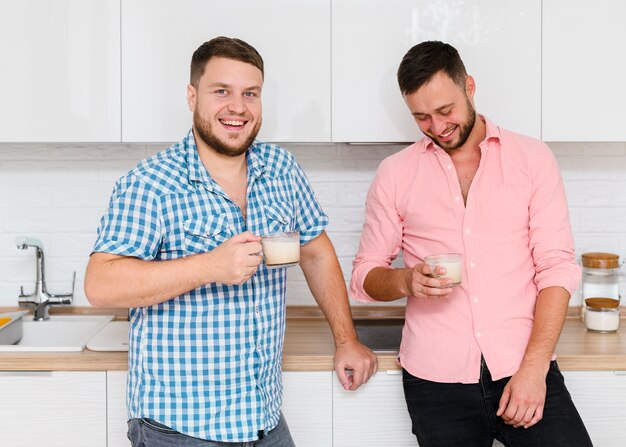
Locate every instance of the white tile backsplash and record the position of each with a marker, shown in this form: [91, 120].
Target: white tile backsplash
[57, 193]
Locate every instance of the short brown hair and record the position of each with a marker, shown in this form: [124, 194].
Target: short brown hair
[425, 60]
[230, 48]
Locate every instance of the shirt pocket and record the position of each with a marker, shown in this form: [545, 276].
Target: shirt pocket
[279, 217]
[203, 235]
[508, 212]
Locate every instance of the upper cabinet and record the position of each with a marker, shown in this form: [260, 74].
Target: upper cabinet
[159, 38]
[584, 70]
[499, 42]
[60, 78]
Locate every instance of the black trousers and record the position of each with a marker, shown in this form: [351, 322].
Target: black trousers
[464, 415]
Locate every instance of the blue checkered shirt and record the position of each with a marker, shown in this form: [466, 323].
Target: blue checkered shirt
[208, 363]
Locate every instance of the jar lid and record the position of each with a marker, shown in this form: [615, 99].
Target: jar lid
[600, 260]
[602, 303]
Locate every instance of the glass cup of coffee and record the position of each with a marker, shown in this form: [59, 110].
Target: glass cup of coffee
[452, 262]
[281, 249]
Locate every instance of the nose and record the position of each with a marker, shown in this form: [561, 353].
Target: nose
[438, 125]
[236, 104]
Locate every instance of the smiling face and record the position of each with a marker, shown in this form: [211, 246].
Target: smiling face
[444, 111]
[226, 105]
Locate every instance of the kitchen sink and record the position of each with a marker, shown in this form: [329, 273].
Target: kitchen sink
[59, 333]
[380, 334]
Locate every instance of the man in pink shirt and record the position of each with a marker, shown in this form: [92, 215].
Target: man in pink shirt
[478, 359]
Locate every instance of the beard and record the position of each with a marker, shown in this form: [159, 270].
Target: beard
[204, 131]
[465, 129]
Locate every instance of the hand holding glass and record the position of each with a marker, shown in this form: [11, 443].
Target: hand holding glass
[452, 262]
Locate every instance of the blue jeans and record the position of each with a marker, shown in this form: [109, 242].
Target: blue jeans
[149, 433]
[464, 415]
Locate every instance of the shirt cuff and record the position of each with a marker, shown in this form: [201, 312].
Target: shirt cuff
[360, 270]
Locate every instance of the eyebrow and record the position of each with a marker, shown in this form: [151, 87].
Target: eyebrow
[445, 106]
[224, 85]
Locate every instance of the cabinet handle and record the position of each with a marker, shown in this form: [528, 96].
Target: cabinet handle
[397, 372]
[620, 373]
[25, 373]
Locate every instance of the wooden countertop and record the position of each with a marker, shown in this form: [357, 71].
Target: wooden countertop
[309, 347]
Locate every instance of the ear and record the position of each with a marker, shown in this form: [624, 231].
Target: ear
[192, 96]
[470, 87]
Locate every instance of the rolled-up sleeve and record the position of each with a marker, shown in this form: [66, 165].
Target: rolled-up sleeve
[311, 220]
[131, 225]
[551, 240]
[381, 239]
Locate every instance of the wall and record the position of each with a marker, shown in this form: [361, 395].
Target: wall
[58, 192]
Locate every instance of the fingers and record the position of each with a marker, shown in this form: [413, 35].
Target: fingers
[504, 400]
[519, 414]
[246, 236]
[536, 418]
[342, 375]
[424, 286]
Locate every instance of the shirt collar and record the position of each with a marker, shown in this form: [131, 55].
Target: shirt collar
[491, 132]
[199, 174]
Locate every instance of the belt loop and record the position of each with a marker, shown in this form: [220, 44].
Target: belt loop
[261, 434]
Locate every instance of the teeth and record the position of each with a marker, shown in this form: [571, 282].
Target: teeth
[447, 134]
[233, 123]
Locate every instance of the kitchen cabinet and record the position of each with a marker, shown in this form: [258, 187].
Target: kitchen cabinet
[499, 42]
[292, 37]
[600, 399]
[117, 415]
[55, 409]
[308, 407]
[374, 415]
[61, 71]
[583, 70]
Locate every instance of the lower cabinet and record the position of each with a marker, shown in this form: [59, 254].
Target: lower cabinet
[53, 409]
[374, 415]
[116, 409]
[600, 397]
[308, 407]
[78, 408]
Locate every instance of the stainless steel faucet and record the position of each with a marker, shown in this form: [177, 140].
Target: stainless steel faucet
[40, 300]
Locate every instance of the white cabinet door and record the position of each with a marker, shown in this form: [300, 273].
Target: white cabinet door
[374, 415]
[116, 409]
[53, 409]
[308, 407]
[584, 70]
[600, 397]
[159, 37]
[499, 42]
[60, 77]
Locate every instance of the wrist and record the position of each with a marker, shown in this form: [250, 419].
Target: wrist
[538, 366]
[404, 281]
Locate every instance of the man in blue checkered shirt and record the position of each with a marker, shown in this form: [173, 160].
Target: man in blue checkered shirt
[179, 245]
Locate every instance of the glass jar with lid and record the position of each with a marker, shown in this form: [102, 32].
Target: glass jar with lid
[600, 277]
[601, 314]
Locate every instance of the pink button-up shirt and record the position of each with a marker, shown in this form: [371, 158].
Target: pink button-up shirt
[514, 233]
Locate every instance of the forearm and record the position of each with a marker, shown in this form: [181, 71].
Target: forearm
[386, 284]
[117, 281]
[550, 312]
[323, 275]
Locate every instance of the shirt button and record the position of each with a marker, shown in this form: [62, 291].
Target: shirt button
[256, 309]
[478, 334]
[475, 299]
[457, 198]
[468, 231]
[449, 166]
[472, 265]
